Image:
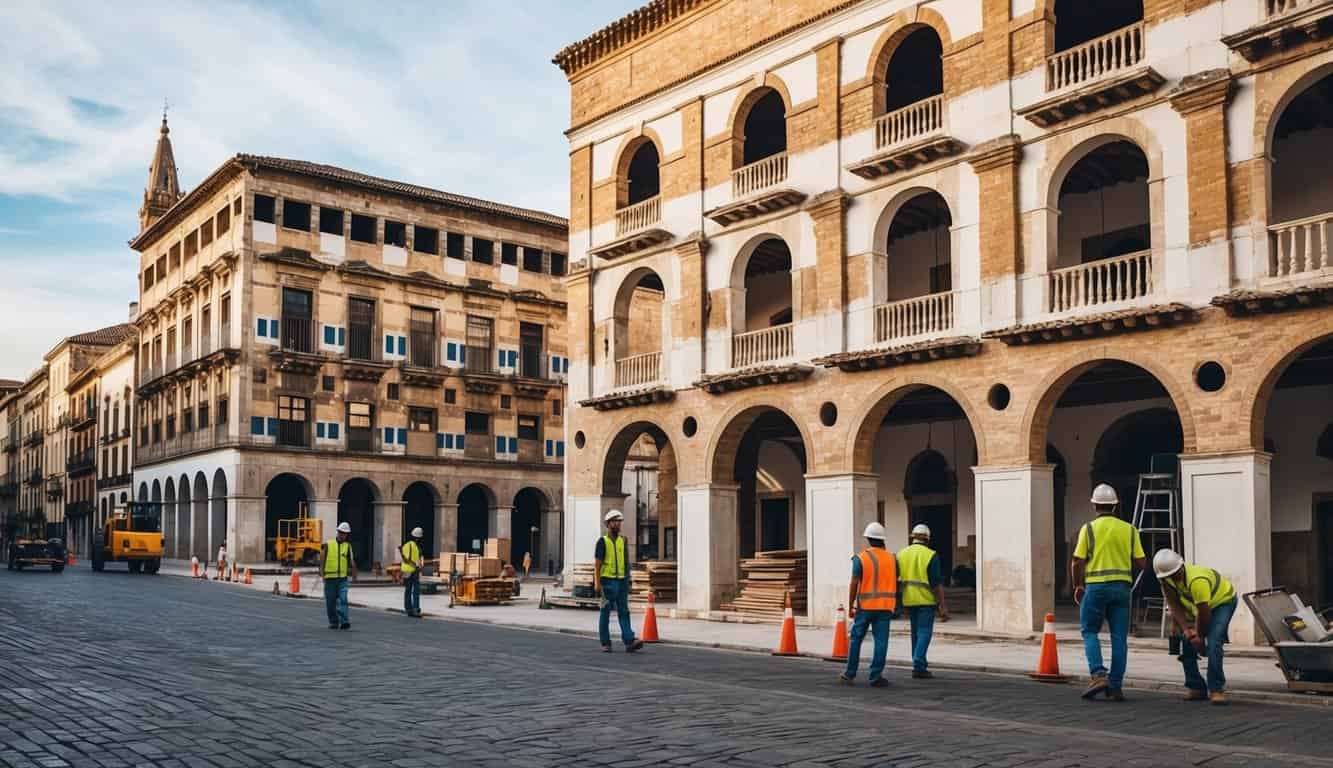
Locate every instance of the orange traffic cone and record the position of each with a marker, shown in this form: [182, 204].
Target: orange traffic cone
[294, 587]
[69, 558]
[839, 637]
[649, 633]
[787, 643]
[1048, 665]
[247, 575]
[235, 576]
[194, 567]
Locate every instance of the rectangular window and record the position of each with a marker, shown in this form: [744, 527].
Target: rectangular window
[203, 415]
[505, 401]
[191, 244]
[425, 239]
[264, 208]
[476, 423]
[508, 253]
[450, 396]
[361, 329]
[236, 207]
[206, 330]
[292, 412]
[205, 233]
[483, 251]
[423, 336]
[331, 221]
[395, 233]
[161, 268]
[296, 326]
[532, 259]
[392, 392]
[529, 427]
[532, 361]
[148, 278]
[296, 215]
[363, 228]
[477, 356]
[558, 262]
[187, 420]
[224, 321]
[327, 383]
[360, 427]
[222, 411]
[223, 220]
[421, 420]
[555, 407]
[453, 243]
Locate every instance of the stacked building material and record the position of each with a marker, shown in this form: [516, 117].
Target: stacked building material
[767, 579]
[473, 591]
[580, 580]
[657, 575]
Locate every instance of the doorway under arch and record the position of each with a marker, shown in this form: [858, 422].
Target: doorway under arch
[284, 497]
[475, 503]
[419, 511]
[526, 526]
[356, 507]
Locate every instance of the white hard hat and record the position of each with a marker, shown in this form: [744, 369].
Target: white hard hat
[1104, 494]
[921, 529]
[874, 531]
[613, 514]
[344, 527]
[1166, 562]
[417, 532]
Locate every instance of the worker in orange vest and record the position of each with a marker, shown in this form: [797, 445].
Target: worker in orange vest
[872, 598]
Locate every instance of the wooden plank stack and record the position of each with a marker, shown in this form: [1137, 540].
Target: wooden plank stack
[472, 591]
[580, 580]
[657, 575]
[766, 579]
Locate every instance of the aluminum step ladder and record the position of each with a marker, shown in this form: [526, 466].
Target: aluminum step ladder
[1157, 516]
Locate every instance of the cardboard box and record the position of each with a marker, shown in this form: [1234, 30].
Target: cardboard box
[454, 561]
[472, 566]
[490, 567]
[499, 548]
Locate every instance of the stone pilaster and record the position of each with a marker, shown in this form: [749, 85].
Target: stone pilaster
[996, 165]
[1015, 547]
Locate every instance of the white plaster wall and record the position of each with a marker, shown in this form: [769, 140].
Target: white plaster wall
[801, 79]
[1092, 213]
[1301, 166]
[669, 129]
[780, 473]
[1296, 417]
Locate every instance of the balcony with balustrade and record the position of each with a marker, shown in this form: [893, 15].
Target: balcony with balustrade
[757, 189]
[1106, 70]
[766, 346]
[907, 137]
[1299, 250]
[637, 228]
[1283, 24]
[639, 371]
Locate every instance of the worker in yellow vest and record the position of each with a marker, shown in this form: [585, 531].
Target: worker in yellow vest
[411, 569]
[1107, 551]
[872, 598]
[336, 564]
[1202, 603]
[610, 579]
[922, 582]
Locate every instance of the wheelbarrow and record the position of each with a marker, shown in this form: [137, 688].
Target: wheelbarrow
[1301, 638]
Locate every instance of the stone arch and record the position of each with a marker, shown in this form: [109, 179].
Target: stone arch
[1037, 417]
[358, 497]
[283, 492]
[420, 499]
[1260, 394]
[629, 147]
[623, 319]
[900, 27]
[617, 450]
[1083, 141]
[475, 503]
[530, 504]
[157, 491]
[895, 204]
[217, 525]
[874, 409]
[723, 444]
[143, 491]
[1266, 121]
[741, 107]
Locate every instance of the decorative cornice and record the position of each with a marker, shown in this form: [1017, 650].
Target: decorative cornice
[693, 244]
[1095, 324]
[996, 153]
[1243, 303]
[903, 354]
[295, 257]
[629, 399]
[623, 31]
[832, 202]
[757, 376]
[1202, 90]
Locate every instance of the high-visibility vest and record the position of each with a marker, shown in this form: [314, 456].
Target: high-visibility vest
[411, 554]
[337, 558]
[914, 575]
[613, 562]
[1110, 549]
[879, 581]
[1217, 590]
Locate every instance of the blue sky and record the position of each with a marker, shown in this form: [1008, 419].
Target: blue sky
[456, 94]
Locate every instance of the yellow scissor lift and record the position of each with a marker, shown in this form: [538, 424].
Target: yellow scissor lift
[299, 538]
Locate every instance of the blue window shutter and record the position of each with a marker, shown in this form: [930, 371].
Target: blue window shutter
[499, 444]
[402, 436]
[501, 362]
[402, 346]
[439, 440]
[388, 435]
[388, 345]
[261, 328]
[342, 337]
[458, 442]
[513, 445]
[462, 354]
[272, 426]
[334, 428]
[550, 447]
[329, 335]
[448, 440]
[319, 429]
[273, 328]
[560, 449]
[256, 425]
[513, 358]
[450, 351]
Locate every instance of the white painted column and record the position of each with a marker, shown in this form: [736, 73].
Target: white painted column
[501, 523]
[446, 527]
[1227, 525]
[837, 510]
[245, 529]
[583, 526]
[707, 546]
[551, 525]
[326, 512]
[388, 532]
[1015, 547]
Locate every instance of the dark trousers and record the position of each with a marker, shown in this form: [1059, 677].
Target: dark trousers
[615, 596]
[412, 594]
[335, 600]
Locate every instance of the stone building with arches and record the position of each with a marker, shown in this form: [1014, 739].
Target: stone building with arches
[954, 262]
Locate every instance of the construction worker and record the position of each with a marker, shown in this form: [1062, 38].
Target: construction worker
[1100, 571]
[872, 598]
[411, 570]
[922, 594]
[222, 560]
[1202, 603]
[610, 579]
[336, 564]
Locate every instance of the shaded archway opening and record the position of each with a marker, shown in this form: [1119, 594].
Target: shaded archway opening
[356, 507]
[1078, 21]
[170, 519]
[286, 497]
[143, 491]
[1298, 426]
[474, 508]
[767, 299]
[184, 518]
[915, 71]
[419, 511]
[199, 525]
[765, 128]
[218, 514]
[1104, 212]
[1299, 188]
[644, 180]
[526, 526]
[640, 323]
[919, 251]
[640, 468]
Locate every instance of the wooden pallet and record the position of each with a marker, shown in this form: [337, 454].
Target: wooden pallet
[769, 579]
[656, 575]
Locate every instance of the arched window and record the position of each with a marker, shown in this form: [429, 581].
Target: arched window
[761, 304]
[765, 128]
[1078, 21]
[1302, 200]
[915, 71]
[644, 181]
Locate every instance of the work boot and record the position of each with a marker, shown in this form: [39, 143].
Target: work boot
[1217, 697]
[1115, 694]
[634, 646]
[1095, 686]
[606, 649]
[345, 625]
[922, 674]
[879, 682]
[845, 680]
[1194, 694]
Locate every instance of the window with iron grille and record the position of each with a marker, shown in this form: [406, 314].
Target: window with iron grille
[292, 413]
[480, 332]
[360, 427]
[297, 330]
[423, 337]
[529, 427]
[477, 423]
[361, 329]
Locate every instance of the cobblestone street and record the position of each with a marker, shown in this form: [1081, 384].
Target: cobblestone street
[119, 670]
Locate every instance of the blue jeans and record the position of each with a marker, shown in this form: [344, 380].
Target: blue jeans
[922, 618]
[615, 594]
[877, 622]
[335, 600]
[412, 594]
[1217, 637]
[1107, 602]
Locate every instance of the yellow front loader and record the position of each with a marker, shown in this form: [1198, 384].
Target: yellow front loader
[133, 535]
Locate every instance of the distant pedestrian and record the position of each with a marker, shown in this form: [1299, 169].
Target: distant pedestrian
[527, 564]
[411, 570]
[610, 579]
[336, 564]
[222, 560]
[872, 598]
[1202, 603]
[1107, 550]
[922, 582]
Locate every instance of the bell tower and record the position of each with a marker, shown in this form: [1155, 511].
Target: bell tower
[163, 188]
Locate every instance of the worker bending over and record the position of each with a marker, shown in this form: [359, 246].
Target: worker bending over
[411, 570]
[872, 597]
[610, 579]
[1202, 604]
[922, 595]
[335, 565]
[1101, 572]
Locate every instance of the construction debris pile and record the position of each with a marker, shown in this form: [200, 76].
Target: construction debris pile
[767, 579]
[581, 580]
[656, 575]
[479, 579]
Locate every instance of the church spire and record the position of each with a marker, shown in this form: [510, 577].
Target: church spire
[164, 188]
